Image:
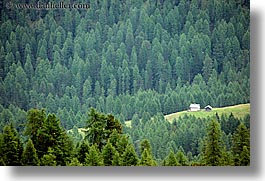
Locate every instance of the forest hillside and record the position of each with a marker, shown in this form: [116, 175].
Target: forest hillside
[127, 60]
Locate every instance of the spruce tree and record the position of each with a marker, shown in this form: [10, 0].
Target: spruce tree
[35, 122]
[30, 157]
[82, 151]
[241, 146]
[214, 150]
[116, 159]
[48, 159]
[94, 157]
[181, 158]
[108, 154]
[129, 157]
[11, 146]
[146, 159]
[171, 160]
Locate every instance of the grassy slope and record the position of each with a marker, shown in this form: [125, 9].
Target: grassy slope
[238, 111]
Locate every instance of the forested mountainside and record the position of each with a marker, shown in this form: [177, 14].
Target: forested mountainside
[137, 60]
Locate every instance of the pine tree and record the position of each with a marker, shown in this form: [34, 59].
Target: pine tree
[213, 151]
[181, 158]
[241, 146]
[30, 157]
[35, 122]
[245, 157]
[94, 157]
[48, 159]
[100, 127]
[207, 67]
[108, 153]
[82, 151]
[11, 146]
[116, 159]
[171, 160]
[129, 157]
[146, 159]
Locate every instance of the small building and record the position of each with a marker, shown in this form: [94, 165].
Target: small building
[194, 107]
[208, 108]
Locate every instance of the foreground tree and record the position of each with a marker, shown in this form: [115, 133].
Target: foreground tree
[100, 127]
[129, 157]
[147, 159]
[108, 153]
[241, 146]
[46, 132]
[214, 150]
[30, 157]
[74, 162]
[94, 157]
[170, 160]
[35, 122]
[11, 146]
[49, 159]
[181, 158]
[82, 151]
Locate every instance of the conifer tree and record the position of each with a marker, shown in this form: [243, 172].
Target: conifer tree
[35, 122]
[48, 159]
[94, 157]
[241, 146]
[181, 158]
[11, 146]
[171, 160]
[30, 157]
[116, 159]
[108, 153]
[245, 157]
[129, 157]
[214, 150]
[82, 151]
[146, 159]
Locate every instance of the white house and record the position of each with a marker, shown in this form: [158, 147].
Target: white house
[194, 107]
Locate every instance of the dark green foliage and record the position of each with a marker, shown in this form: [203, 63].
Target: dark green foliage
[118, 52]
[55, 137]
[94, 157]
[170, 160]
[245, 157]
[35, 122]
[181, 158]
[82, 151]
[129, 157]
[146, 159]
[145, 145]
[74, 162]
[135, 60]
[241, 146]
[29, 156]
[11, 146]
[100, 127]
[116, 159]
[214, 151]
[108, 153]
[48, 159]
[46, 132]
[230, 124]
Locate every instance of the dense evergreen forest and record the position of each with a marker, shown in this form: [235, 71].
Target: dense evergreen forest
[62, 70]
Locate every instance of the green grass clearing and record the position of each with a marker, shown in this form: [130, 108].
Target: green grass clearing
[239, 111]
